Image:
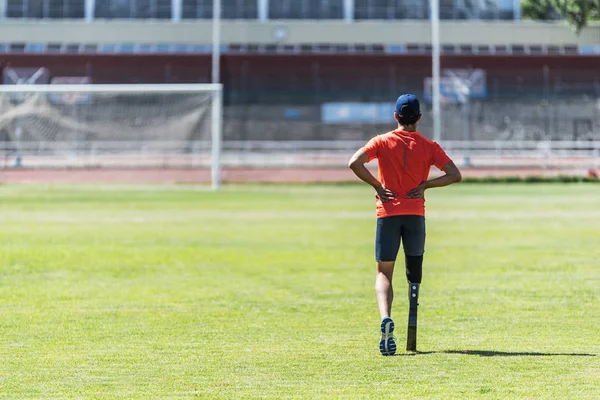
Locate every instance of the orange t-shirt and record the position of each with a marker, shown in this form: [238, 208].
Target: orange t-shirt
[405, 160]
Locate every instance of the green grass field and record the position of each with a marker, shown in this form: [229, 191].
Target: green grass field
[267, 292]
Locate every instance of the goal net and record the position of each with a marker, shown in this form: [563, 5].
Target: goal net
[111, 126]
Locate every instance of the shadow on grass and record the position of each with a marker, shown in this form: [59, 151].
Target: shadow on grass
[491, 353]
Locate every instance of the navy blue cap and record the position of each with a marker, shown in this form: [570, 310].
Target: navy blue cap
[408, 105]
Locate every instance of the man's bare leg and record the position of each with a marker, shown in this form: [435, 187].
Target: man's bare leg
[385, 297]
[383, 287]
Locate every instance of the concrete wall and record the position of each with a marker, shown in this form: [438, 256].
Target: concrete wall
[294, 32]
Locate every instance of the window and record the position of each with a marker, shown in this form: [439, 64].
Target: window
[145, 48]
[448, 10]
[413, 48]
[107, 48]
[53, 48]
[571, 49]
[553, 49]
[306, 9]
[35, 48]
[391, 9]
[193, 9]
[72, 48]
[89, 48]
[45, 8]
[230, 9]
[17, 47]
[448, 48]
[483, 49]
[518, 49]
[133, 9]
[535, 49]
[500, 49]
[126, 48]
[154, 9]
[466, 48]
[65, 9]
[419, 9]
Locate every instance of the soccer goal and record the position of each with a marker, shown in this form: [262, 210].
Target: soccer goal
[112, 126]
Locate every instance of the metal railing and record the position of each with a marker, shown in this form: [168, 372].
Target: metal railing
[571, 155]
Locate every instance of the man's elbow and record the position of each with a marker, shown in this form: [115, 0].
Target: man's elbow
[352, 163]
[457, 177]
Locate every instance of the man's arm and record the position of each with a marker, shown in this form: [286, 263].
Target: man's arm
[452, 175]
[357, 165]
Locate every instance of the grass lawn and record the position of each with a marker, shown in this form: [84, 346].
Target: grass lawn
[267, 292]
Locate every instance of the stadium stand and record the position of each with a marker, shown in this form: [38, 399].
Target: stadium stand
[278, 73]
[248, 9]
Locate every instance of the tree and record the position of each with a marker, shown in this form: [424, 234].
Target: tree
[576, 12]
[538, 10]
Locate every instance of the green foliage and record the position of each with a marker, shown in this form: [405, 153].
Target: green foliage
[266, 292]
[576, 12]
[537, 10]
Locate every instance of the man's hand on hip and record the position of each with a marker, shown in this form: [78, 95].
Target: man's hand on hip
[385, 194]
[418, 192]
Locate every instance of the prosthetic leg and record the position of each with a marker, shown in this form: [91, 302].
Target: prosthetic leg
[414, 273]
[411, 338]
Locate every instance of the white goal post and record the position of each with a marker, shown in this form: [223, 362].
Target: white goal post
[112, 126]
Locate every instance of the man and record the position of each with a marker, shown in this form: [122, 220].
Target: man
[404, 159]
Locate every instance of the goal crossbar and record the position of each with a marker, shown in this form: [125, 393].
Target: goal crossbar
[114, 88]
